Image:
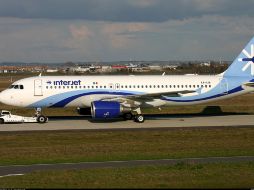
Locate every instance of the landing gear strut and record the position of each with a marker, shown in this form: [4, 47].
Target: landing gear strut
[40, 118]
[139, 118]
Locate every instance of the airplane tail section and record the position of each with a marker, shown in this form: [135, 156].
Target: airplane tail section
[243, 65]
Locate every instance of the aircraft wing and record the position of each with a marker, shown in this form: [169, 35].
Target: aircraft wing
[150, 96]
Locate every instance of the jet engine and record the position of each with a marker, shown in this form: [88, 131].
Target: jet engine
[108, 109]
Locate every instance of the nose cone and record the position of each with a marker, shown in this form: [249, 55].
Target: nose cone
[1, 97]
[4, 97]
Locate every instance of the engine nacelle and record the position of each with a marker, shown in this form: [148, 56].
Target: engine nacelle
[84, 111]
[107, 109]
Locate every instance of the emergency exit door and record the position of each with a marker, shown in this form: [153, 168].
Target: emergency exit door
[38, 87]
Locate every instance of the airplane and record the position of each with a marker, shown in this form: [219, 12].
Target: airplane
[126, 96]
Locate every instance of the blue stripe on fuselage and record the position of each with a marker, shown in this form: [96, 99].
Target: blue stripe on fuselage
[64, 102]
[237, 89]
[61, 100]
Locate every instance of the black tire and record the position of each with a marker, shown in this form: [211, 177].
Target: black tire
[127, 116]
[1, 121]
[41, 119]
[139, 119]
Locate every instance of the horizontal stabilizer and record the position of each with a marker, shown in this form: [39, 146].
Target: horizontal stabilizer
[249, 84]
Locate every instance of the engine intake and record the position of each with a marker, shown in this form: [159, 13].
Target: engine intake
[107, 109]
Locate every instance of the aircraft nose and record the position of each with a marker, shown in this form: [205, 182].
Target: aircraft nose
[3, 97]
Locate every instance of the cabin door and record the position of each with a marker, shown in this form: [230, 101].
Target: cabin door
[38, 87]
[224, 86]
[117, 86]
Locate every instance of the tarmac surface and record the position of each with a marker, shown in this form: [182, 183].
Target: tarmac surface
[151, 122]
[14, 170]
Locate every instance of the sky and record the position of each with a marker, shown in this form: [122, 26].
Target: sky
[121, 30]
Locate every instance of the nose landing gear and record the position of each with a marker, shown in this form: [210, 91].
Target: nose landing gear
[40, 117]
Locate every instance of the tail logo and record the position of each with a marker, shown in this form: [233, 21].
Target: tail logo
[249, 59]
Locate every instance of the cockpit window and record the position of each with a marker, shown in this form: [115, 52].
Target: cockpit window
[16, 87]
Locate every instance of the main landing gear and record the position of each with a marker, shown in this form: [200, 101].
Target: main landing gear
[135, 115]
[139, 118]
[40, 118]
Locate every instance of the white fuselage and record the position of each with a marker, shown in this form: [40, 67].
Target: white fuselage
[80, 91]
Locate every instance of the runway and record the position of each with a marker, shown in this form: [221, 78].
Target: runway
[13, 170]
[151, 122]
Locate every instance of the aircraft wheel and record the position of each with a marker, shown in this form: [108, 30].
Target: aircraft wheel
[1, 121]
[139, 118]
[127, 116]
[42, 119]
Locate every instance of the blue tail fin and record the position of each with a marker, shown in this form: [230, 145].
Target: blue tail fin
[243, 65]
